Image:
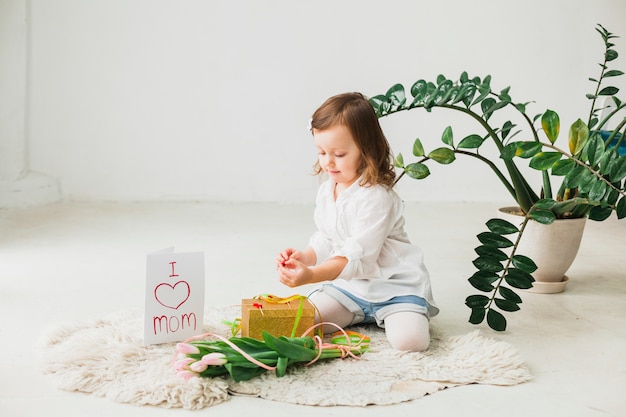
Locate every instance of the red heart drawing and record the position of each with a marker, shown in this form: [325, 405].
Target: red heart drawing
[172, 296]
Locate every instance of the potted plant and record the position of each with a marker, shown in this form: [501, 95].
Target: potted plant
[590, 173]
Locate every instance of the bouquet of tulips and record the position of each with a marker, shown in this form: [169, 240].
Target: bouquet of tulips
[244, 358]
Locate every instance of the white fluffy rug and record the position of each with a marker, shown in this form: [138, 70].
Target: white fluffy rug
[107, 358]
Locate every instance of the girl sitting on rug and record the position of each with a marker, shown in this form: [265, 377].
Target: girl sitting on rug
[372, 273]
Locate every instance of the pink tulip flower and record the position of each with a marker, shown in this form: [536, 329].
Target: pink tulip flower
[187, 349]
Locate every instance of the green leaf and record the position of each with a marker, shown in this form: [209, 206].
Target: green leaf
[543, 216]
[598, 190]
[608, 91]
[281, 366]
[487, 264]
[544, 160]
[600, 213]
[418, 148]
[399, 161]
[476, 301]
[501, 227]
[239, 373]
[524, 263]
[491, 251]
[447, 137]
[471, 142]
[417, 170]
[563, 166]
[613, 73]
[618, 170]
[574, 177]
[477, 316]
[621, 208]
[519, 279]
[496, 320]
[608, 159]
[551, 125]
[396, 95]
[494, 239]
[419, 90]
[545, 204]
[288, 349]
[594, 150]
[509, 294]
[578, 136]
[521, 150]
[506, 305]
[482, 281]
[442, 155]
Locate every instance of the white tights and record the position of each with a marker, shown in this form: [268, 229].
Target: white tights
[407, 331]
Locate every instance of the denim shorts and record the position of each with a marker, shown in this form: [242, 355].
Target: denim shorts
[366, 312]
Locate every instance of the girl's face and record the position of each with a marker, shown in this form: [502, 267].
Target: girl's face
[339, 155]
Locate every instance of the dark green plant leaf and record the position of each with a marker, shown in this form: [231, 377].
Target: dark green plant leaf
[487, 264]
[598, 190]
[621, 208]
[482, 281]
[509, 294]
[501, 227]
[587, 180]
[442, 155]
[471, 142]
[506, 305]
[491, 251]
[599, 213]
[396, 95]
[524, 263]
[419, 90]
[545, 203]
[608, 91]
[543, 216]
[377, 103]
[476, 301]
[618, 170]
[544, 160]
[496, 320]
[477, 316]
[494, 239]
[613, 73]
[574, 177]
[417, 170]
[563, 167]
[519, 279]
[594, 150]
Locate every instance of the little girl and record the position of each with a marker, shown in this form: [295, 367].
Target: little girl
[372, 273]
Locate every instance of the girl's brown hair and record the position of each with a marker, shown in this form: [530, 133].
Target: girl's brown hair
[354, 111]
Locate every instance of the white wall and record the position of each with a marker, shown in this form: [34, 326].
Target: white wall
[209, 100]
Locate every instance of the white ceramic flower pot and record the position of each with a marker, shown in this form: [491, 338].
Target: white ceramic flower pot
[552, 247]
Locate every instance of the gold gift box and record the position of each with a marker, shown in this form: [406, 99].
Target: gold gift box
[277, 319]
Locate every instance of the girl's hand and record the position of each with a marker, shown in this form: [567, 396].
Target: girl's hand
[287, 254]
[294, 273]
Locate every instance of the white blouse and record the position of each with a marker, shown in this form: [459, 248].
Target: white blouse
[366, 226]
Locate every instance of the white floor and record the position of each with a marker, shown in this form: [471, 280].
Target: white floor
[65, 262]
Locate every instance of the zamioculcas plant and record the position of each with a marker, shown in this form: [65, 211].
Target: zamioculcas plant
[591, 171]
